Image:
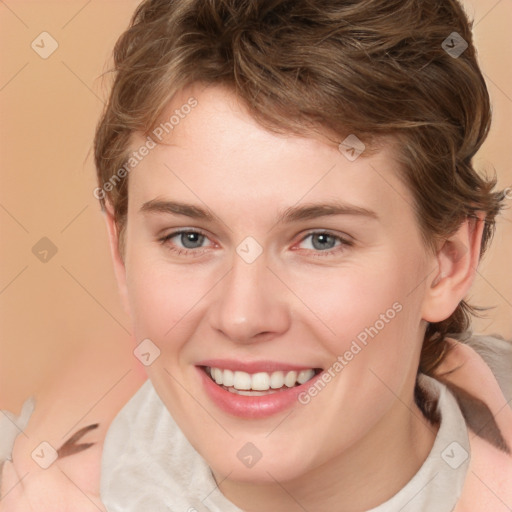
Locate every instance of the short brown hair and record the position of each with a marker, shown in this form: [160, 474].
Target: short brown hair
[341, 67]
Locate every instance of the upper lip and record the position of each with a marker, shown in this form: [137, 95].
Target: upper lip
[253, 366]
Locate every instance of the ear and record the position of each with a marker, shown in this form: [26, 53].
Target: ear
[117, 258]
[456, 261]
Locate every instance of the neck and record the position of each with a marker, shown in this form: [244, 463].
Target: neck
[363, 477]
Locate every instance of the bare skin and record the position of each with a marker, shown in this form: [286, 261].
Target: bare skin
[289, 305]
[206, 302]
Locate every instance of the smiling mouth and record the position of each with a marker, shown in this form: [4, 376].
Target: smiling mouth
[260, 383]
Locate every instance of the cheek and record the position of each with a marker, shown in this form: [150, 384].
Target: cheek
[163, 297]
[370, 324]
[346, 302]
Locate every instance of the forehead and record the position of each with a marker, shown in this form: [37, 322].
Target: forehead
[212, 149]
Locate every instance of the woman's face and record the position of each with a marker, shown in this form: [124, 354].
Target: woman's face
[268, 280]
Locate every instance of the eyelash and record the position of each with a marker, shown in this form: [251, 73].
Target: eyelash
[344, 243]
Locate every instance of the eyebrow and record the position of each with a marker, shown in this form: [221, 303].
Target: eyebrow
[289, 215]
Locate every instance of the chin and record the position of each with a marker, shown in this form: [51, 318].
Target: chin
[241, 461]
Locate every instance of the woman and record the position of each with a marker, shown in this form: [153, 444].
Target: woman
[295, 222]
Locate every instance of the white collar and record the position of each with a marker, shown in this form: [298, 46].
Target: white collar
[148, 464]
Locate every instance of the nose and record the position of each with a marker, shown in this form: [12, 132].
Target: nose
[250, 304]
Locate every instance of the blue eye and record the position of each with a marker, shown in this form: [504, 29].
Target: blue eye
[325, 243]
[190, 239]
[321, 241]
[190, 242]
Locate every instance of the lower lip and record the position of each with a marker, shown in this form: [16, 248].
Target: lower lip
[253, 406]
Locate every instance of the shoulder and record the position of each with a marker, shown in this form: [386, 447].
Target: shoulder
[497, 354]
[488, 484]
[41, 478]
[481, 367]
[58, 453]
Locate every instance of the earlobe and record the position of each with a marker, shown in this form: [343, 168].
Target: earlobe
[456, 263]
[117, 257]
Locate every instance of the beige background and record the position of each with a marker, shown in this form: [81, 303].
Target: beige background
[63, 316]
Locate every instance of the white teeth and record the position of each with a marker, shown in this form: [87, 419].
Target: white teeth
[242, 380]
[305, 375]
[277, 380]
[217, 375]
[261, 381]
[290, 379]
[249, 393]
[228, 378]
